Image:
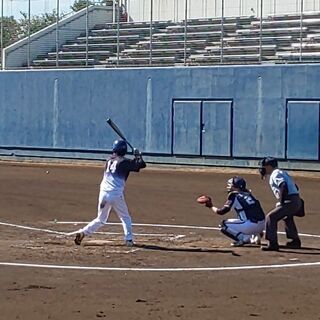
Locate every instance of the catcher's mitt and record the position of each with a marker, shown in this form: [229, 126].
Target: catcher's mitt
[206, 200]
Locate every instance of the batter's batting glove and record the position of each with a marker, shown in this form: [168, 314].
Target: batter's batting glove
[136, 152]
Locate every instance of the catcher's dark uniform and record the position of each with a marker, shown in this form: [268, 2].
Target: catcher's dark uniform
[250, 218]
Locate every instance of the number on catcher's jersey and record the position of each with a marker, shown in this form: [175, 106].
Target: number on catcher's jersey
[112, 166]
[249, 200]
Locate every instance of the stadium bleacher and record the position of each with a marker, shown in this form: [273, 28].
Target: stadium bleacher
[285, 39]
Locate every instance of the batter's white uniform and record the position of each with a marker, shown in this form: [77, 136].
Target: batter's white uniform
[111, 195]
[250, 219]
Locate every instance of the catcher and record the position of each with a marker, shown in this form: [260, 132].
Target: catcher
[248, 227]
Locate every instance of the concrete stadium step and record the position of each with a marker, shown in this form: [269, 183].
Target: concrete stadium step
[80, 54]
[296, 55]
[276, 31]
[240, 20]
[287, 23]
[256, 40]
[294, 16]
[191, 35]
[109, 38]
[63, 62]
[112, 47]
[124, 32]
[202, 27]
[172, 44]
[233, 57]
[133, 24]
[156, 52]
[243, 49]
[142, 61]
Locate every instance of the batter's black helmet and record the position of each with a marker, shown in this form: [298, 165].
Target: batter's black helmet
[119, 147]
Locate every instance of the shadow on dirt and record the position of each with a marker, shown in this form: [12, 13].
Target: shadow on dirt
[203, 250]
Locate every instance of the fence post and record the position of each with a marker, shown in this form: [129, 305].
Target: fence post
[222, 31]
[29, 33]
[151, 31]
[301, 29]
[185, 32]
[87, 32]
[57, 33]
[1, 39]
[260, 38]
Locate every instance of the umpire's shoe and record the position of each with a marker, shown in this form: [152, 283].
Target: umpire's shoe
[271, 247]
[79, 238]
[294, 244]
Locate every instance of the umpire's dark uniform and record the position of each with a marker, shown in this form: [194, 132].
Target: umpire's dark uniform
[289, 205]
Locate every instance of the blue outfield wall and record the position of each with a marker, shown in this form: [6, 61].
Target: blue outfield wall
[190, 113]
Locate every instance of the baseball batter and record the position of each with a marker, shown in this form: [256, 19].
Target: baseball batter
[289, 205]
[117, 170]
[249, 223]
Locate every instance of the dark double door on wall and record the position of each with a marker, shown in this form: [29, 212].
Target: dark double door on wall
[202, 128]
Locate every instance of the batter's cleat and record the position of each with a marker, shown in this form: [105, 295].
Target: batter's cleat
[129, 243]
[78, 239]
[255, 239]
[238, 244]
[294, 244]
[271, 247]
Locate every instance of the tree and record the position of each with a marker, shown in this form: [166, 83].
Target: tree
[36, 22]
[80, 4]
[11, 31]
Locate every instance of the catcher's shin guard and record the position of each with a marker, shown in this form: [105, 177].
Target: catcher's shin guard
[224, 230]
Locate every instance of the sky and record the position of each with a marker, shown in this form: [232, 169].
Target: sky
[13, 7]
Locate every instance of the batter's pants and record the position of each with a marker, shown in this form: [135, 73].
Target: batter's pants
[107, 201]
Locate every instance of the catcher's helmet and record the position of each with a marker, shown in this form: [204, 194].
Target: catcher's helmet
[268, 161]
[237, 182]
[119, 147]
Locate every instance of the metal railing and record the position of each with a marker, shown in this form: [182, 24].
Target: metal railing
[261, 24]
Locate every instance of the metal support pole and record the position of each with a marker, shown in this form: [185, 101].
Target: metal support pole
[2, 36]
[29, 33]
[206, 9]
[118, 32]
[114, 11]
[260, 38]
[57, 32]
[128, 10]
[185, 32]
[240, 7]
[87, 32]
[151, 31]
[215, 8]
[301, 26]
[274, 6]
[222, 31]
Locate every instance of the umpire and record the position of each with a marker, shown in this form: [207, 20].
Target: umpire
[289, 205]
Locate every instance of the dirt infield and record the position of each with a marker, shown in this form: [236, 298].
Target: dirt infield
[32, 197]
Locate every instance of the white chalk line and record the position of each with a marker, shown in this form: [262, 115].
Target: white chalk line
[172, 226]
[127, 269]
[74, 232]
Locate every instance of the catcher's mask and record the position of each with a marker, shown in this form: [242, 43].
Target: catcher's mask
[236, 182]
[268, 161]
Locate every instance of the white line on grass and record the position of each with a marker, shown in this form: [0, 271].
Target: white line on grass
[200, 269]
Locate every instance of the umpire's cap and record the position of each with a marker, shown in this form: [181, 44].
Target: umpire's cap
[268, 161]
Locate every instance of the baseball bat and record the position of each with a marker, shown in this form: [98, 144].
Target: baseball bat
[118, 132]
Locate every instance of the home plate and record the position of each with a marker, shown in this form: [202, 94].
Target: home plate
[97, 243]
